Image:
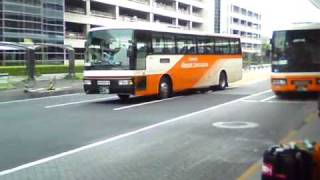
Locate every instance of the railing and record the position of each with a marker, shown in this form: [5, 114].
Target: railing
[103, 14]
[141, 1]
[132, 19]
[183, 11]
[164, 6]
[77, 10]
[197, 14]
[74, 35]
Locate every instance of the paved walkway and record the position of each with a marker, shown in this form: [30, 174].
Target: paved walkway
[252, 76]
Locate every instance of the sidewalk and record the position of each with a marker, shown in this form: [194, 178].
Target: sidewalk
[56, 84]
[252, 76]
[310, 130]
[45, 85]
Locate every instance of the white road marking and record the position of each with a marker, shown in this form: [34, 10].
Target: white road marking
[250, 101]
[80, 102]
[289, 102]
[122, 136]
[235, 125]
[268, 98]
[146, 103]
[34, 99]
[275, 102]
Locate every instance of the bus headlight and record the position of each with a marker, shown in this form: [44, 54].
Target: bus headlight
[125, 82]
[87, 82]
[318, 81]
[279, 82]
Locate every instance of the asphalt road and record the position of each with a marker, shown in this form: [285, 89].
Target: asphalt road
[99, 137]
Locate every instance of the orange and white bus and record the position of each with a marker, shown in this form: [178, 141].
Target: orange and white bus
[143, 61]
[296, 59]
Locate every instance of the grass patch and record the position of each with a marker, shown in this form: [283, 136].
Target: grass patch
[6, 86]
[40, 69]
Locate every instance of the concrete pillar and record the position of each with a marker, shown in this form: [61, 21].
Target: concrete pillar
[177, 22]
[177, 6]
[117, 12]
[88, 7]
[190, 25]
[151, 17]
[88, 27]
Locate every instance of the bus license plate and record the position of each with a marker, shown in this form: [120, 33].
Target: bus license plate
[104, 90]
[301, 88]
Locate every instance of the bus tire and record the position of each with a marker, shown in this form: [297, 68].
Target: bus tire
[280, 94]
[123, 97]
[165, 88]
[223, 81]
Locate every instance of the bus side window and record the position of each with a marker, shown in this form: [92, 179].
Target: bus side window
[186, 45]
[222, 46]
[234, 46]
[157, 43]
[205, 45]
[169, 44]
[143, 46]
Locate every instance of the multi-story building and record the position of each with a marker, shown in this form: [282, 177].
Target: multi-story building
[68, 21]
[237, 19]
[31, 21]
[81, 15]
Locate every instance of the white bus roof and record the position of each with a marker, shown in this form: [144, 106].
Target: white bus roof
[158, 28]
[299, 26]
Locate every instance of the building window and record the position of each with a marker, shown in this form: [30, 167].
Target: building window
[236, 32]
[243, 11]
[217, 16]
[235, 9]
[235, 20]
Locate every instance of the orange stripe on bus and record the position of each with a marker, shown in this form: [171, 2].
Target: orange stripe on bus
[189, 71]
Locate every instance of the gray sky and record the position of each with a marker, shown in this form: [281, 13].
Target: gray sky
[278, 12]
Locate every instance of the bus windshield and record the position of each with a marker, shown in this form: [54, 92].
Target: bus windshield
[109, 49]
[296, 51]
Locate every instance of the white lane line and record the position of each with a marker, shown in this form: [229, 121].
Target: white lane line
[146, 103]
[34, 99]
[250, 101]
[268, 98]
[289, 102]
[80, 102]
[122, 136]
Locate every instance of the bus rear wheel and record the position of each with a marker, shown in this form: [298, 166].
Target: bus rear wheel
[123, 97]
[223, 81]
[165, 88]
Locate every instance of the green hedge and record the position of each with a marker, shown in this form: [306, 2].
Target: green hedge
[40, 69]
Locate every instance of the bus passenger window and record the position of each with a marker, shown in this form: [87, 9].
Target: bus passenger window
[222, 46]
[186, 45]
[205, 45]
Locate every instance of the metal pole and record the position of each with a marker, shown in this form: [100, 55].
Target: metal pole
[30, 58]
[71, 63]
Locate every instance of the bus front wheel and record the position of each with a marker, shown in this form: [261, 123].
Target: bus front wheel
[165, 88]
[223, 81]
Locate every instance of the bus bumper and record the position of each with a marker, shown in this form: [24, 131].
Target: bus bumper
[118, 86]
[283, 85]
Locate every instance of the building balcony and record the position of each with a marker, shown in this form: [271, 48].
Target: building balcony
[76, 10]
[164, 6]
[132, 19]
[183, 11]
[145, 2]
[103, 14]
[74, 35]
